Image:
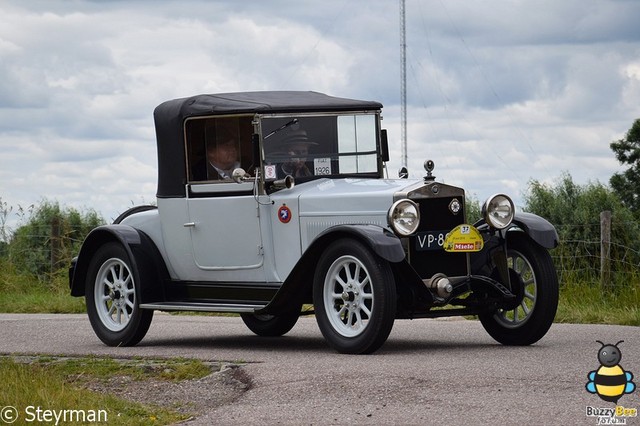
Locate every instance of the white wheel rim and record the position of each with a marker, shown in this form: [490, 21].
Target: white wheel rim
[114, 294]
[521, 314]
[348, 296]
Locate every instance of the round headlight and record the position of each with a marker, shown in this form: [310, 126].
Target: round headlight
[498, 211]
[404, 217]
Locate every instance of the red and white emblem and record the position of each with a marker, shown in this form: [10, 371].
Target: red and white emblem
[284, 214]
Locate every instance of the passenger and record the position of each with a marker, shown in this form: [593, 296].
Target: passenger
[221, 160]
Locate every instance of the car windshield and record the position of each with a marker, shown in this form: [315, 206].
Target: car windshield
[327, 145]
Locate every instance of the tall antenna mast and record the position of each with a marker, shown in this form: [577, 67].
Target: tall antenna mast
[403, 84]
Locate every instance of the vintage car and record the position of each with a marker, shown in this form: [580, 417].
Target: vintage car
[277, 204]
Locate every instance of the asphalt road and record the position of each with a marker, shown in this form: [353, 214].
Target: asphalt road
[429, 371]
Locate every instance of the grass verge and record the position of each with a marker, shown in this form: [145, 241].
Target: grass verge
[35, 384]
[585, 303]
[24, 293]
[581, 301]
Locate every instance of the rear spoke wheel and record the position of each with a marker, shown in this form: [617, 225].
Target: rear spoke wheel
[112, 295]
[271, 325]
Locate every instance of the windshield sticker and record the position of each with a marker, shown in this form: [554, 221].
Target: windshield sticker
[322, 166]
[270, 171]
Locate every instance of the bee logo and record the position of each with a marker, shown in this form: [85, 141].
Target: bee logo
[610, 381]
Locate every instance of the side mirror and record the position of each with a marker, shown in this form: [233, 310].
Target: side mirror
[403, 173]
[384, 145]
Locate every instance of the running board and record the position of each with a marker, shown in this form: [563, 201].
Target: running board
[203, 307]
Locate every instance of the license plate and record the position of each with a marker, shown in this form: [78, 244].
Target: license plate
[431, 240]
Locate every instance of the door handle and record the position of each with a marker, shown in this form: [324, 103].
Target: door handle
[189, 225]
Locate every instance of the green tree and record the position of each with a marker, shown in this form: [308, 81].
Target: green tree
[474, 210]
[627, 183]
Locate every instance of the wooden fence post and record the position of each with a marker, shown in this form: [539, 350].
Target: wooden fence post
[605, 249]
[55, 243]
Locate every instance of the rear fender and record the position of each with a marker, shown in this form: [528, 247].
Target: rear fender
[148, 266]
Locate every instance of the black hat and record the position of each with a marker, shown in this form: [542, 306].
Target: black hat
[219, 136]
[296, 137]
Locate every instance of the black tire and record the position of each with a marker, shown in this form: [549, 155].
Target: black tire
[532, 318]
[112, 294]
[354, 295]
[270, 325]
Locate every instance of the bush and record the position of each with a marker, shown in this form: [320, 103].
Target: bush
[48, 238]
[575, 211]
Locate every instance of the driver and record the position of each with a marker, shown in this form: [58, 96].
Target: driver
[296, 144]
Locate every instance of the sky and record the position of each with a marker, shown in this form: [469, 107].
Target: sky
[499, 93]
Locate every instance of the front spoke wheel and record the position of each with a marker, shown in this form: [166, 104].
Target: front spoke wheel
[354, 296]
[532, 270]
[348, 296]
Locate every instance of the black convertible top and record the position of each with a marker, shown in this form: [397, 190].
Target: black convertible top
[259, 102]
[169, 120]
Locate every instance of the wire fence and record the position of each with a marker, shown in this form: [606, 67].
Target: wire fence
[43, 249]
[605, 252]
[582, 260]
[47, 249]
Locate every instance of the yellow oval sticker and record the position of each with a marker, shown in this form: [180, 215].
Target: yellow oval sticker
[463, 238]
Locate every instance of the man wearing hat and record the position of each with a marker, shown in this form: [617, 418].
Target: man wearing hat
[296, 144]
[222, 156]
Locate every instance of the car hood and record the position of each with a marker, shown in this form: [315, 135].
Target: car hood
[345, 196]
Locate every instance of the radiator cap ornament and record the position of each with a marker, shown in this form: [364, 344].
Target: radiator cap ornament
[429, 165]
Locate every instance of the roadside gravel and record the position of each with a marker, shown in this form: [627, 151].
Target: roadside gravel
[226, 383]
[192, 397]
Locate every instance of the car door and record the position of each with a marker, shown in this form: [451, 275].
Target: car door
[224, 226]
[223, 219]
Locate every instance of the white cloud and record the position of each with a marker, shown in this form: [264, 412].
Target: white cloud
[499, 92]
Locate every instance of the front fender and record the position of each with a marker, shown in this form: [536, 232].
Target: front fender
[149, 268]
[297, 287]
[384, 243]
[538, 228]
